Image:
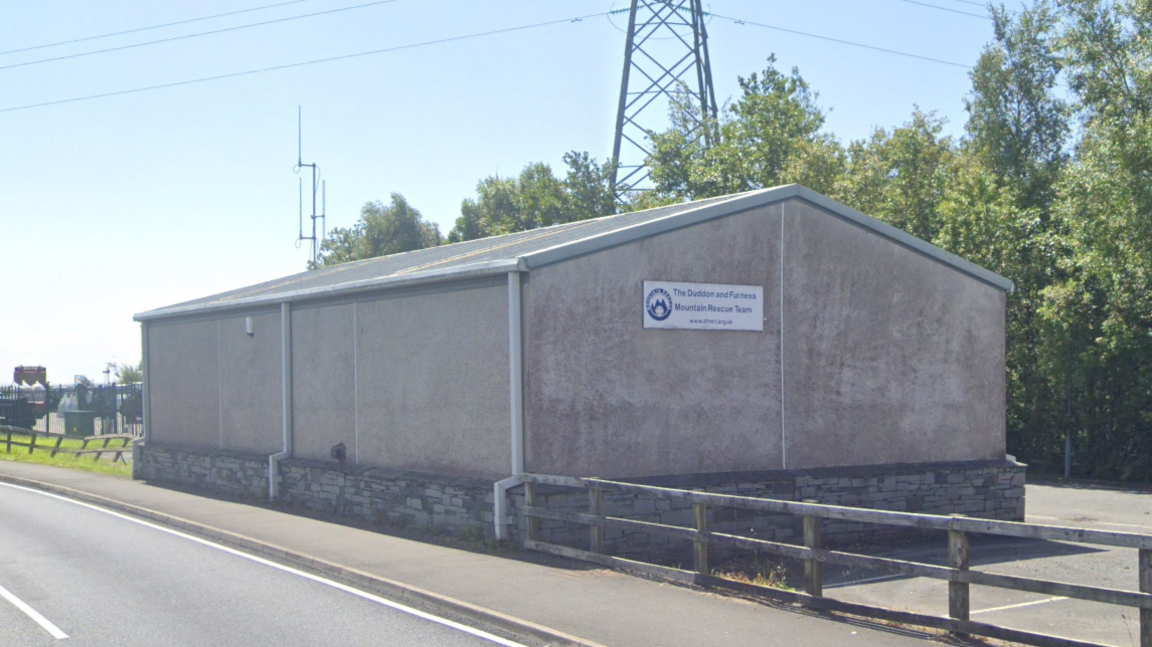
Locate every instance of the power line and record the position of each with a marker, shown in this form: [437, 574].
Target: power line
[150, 27]
[949, 10]
[195, 35]
[304, 63]
[739, 21]
[982, 5]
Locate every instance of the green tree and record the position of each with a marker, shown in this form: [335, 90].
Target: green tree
[588, 184]
[819, 164]
[1097, 322]
[901, 176]
[998, 212]
[382, 229]
[775, 119]
[494, 211]
[1097, 319]
[981, 221]
[536, 198]
[1016, 123]
[127, 373]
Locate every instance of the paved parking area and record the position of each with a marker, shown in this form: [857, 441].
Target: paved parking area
[1124, 510]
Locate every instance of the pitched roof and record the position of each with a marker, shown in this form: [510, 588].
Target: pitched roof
[534, 248]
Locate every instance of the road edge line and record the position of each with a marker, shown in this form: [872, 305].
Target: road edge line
[393, 589]
[36, 616]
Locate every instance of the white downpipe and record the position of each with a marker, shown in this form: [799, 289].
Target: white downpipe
[146, 378]
[783, 429]
[500, 505]
[285, 397]
[515, 406]
[515, 373]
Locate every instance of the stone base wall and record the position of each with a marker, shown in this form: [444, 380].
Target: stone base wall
[391, 497]
[989, 489]
[235, 474]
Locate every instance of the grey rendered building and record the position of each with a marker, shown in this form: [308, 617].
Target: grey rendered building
[862, 361]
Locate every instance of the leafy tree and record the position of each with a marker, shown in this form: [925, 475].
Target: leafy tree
[1017, 124]
[493, 212]
[382, 229]
[589, 187]
[819, 164]
[999, 212]
[1096, 320]
[536, 198]
[901, 176]
[980, 220]
[127, 373]
[750, 147]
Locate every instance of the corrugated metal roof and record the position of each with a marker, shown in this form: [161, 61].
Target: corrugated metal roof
[535, 247]
[508, 246]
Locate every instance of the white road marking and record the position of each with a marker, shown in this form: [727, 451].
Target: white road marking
[881, 578]
[32, 613]
[1093, 522]
[260, 560]
[1019, 606]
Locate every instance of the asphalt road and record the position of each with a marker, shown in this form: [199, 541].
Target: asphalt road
[1064, 505]
[69, 571]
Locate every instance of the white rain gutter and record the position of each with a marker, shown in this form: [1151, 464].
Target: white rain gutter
[285, 397]
[516, 408]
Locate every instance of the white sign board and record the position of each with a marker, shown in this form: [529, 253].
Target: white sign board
[703, 306]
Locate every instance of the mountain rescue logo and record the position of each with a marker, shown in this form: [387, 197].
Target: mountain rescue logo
[658, 304]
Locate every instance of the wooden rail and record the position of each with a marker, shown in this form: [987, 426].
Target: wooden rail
[53, 441]
[957, 573]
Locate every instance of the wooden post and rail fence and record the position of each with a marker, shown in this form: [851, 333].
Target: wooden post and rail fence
[51, 443]
[957, 573]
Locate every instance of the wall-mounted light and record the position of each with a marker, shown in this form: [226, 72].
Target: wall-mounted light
[249, 326]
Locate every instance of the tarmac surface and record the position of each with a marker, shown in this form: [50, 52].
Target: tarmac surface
[74, 572]
[595, 606]
[1053, 503]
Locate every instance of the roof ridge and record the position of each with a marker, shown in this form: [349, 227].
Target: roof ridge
[529, 249]
[536, 233]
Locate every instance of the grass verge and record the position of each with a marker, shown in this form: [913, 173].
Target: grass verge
[42, 456]
[753, 569]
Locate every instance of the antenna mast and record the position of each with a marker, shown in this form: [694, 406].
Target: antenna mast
[667, 48]
[318, 186]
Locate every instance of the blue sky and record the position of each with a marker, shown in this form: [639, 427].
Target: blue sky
[118, 205]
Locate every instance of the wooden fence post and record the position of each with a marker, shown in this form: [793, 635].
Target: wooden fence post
[1145, 587]
[531, 498]
[700, 543]
[32, 443]
[813, 580]
[958, 592]
[56, 448]
[596, 531]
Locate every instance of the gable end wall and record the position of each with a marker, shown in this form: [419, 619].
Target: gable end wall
[889, 356]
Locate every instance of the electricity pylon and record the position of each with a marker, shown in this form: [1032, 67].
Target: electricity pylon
[666, 52]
